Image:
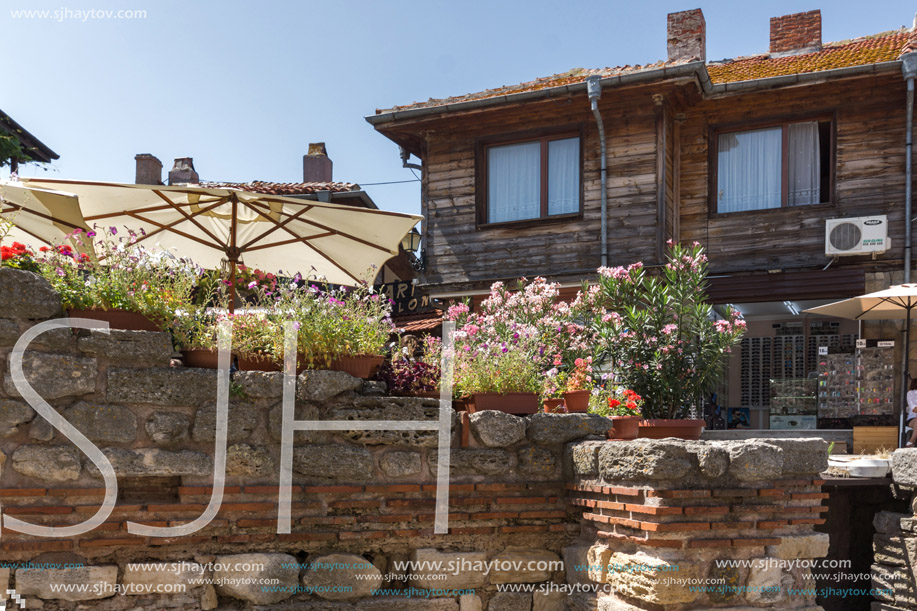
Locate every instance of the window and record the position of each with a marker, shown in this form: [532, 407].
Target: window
[532, 179]
[772, 167]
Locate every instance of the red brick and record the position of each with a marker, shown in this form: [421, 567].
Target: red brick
[608, 505]
[668, 543]
[193, 507]
[360, 504]
[112, 542]
[394, 488]
[5, 492]
[179, 540]
[469, 501]
[736, 492]
[818, 482]
[408, 503]
[73, 492]
[216, 523]
[256, 523]
[206, 491]
[807, 521]
[307, 537]
[35, 510]
[754, 542]
[625, 491]
[331, 489]
[328, 520]
[653, 509]
[479, 530]
[236, 507]
[818, 509]
[365, 534]
[505, 487]
[679, 494]
[710, 543]
[496, 515]
[740, 525]
[778, 492]
[520, 500]
[523, 529]
[38, 546]
[809, 496]
[386, 518]
[409, 533]
[588, 488]
[452, 488]
[561, 527]
[674, 526]
[543, 514]
[269, 489]
[597, 518]
[771, 524]
[157, 524]
[701, 510]
[234, 539]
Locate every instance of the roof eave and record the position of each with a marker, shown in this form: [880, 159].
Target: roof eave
[38, 150]
[697, 69]
[789, 80]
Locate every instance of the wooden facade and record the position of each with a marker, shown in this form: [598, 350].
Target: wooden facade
[660, 181]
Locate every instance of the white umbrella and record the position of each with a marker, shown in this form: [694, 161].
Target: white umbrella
[46, 215]
[894, 303]
[341, 244]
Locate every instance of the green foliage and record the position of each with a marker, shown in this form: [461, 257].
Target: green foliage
[10, 150]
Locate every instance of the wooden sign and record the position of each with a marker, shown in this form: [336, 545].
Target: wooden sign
[406, 298]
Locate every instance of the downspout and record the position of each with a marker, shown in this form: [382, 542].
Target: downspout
[594, 90]
[909, 71]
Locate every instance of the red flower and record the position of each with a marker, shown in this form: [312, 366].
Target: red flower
[613, 403]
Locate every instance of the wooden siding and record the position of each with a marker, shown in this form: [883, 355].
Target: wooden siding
[869, 174]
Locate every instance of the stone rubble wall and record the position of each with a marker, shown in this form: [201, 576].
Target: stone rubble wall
[654, 510]
[894, 569]
[359, 495]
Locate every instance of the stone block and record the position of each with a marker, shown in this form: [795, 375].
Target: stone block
[712, 459]
[391, 408]
[576, 563]
[510, 601]
[107, 423]
[765, 585]
[400, 603]
[401, 464]
[171, 387]
[12, 414]
[583, 458]
[597, 563]
[242, 420]
[153, 462]
[241, 576]
[4, 579]
[54, 376]
[320, 385]
[129, 347]
[337, 462]
[888, 522]
[644, 459]
[755, 460]
[814, 545]
[807, 456]
[47, 463]
[260, 384]
[460, 570]
[558, 429]
[142, 578]
[476, 461]
[537, 462]
[519, 565]
[27, 296]
[100, 579]
[643, 577]
[904, 467]
[41, 430]
[341, 577]
[496, 429]
[890, 550]
[246, 460]
[168, 427]
[549, 601]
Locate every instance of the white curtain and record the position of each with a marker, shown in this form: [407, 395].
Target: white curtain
[563, 176]
[748, 170]
[804, 164]
[513, 182]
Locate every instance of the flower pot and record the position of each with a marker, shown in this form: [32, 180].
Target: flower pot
[117, 319]
[518, 403]
[253, 363]
[624, 427]
[680, 429]
[361, 366]
[577, 402]
[204, 359]
[553, 406]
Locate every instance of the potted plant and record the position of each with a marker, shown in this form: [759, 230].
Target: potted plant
[663, 340]
[579, 386]
[122, 283]
[622, 406]
[552, 391]
[412, 375]
[502, 376]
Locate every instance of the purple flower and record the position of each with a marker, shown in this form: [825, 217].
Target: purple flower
[60, 272]
[91, 234]
[113, 230]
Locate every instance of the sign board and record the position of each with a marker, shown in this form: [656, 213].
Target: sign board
[407, 298]
[875, 343]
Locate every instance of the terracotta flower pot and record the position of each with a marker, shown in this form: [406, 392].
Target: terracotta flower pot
[624, 427]
[253, 363]
[361, 366]
[577, 402]
[681, 429]
[117, 319]
[519, 403]
[204, 359]
[553, 406]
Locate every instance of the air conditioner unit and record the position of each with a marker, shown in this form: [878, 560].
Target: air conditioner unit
[856, 236]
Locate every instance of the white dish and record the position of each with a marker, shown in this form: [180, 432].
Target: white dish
[861, 466]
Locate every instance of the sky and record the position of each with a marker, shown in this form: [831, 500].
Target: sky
[243, 87]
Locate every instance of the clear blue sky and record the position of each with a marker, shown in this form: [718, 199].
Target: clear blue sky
[243, 87]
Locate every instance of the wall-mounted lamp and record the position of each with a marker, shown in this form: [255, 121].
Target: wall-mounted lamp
[411, 243]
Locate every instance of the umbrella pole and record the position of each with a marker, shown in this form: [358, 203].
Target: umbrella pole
[232, 288]
[905, 375]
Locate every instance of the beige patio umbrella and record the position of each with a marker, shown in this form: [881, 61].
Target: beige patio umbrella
[46, 215]
[894, 303]
[341, 244]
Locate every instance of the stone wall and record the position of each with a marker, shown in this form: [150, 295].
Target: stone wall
[894, 569]
[658, 511]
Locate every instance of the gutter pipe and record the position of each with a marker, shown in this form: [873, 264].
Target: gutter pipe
[594, 89]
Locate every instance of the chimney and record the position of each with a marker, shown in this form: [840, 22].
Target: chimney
[796, 33]
[149, 170]
[316, 165]
[183, 173]
[687, 36]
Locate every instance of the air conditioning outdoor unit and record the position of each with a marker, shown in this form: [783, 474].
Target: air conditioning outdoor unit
[856, 236]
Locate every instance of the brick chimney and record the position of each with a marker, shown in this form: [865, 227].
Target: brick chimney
[316, 165]
[183, 173]
[687, 36]
[796, 33]
[149, 170]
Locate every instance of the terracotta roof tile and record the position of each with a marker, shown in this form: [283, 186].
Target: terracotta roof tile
[887, 46]
[412, 323]
[285, 188]
[857, 52]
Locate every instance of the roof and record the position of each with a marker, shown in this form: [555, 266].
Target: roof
[866, 50]
[31, 145]
[414, 323]
[285, 188]
[884, 47]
